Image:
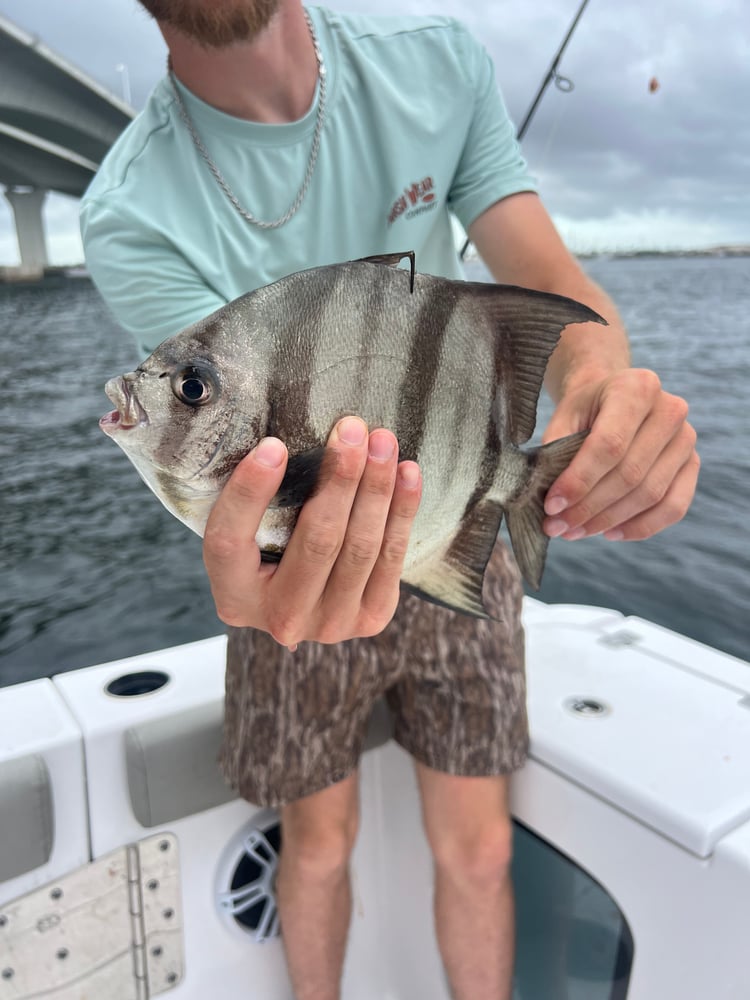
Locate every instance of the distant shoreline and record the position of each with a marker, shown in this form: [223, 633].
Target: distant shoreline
[724, 250]
[741, 250]
[18, 276]
[22, 276]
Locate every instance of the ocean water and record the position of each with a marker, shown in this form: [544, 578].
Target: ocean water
[93, 568]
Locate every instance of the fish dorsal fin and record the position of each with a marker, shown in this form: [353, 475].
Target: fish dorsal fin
[391, 260]
[454, 580]
[527, 327]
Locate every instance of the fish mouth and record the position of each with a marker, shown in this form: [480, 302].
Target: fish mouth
[129, 412]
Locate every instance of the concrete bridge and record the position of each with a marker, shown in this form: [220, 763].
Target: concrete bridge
[56, 124]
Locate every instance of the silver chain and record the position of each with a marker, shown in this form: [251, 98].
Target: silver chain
[313, 151]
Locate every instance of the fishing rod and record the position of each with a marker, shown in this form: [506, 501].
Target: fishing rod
[562, 83]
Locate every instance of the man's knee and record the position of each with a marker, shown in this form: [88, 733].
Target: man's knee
[468, 825]
[474, 856]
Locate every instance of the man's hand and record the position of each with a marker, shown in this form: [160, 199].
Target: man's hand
[339, 576]
[636, 471]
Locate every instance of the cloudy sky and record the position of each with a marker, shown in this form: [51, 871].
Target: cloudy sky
[620, 167]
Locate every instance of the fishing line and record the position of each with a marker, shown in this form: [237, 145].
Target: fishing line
[562, 107]
[562, 83]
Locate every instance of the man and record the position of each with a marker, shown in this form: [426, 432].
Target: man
[278, 143]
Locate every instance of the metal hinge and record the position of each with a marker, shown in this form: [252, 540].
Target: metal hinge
[110, 930]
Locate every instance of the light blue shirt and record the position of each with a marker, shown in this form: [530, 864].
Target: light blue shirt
[415, 129]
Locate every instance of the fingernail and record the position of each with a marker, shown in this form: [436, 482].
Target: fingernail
[555, 528]
[615, 535]
[352, 430]
[555, 505]
[270, 452]
[409, 474]
[575, 535]
[381, 446]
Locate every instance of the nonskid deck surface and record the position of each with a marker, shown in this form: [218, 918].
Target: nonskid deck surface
[632, 825]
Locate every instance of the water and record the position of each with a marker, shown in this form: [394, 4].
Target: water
[94, 569]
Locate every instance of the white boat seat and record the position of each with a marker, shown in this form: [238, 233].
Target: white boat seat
[172, 762]
[26, 815]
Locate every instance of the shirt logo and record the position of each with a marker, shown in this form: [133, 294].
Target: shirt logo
[416, 199]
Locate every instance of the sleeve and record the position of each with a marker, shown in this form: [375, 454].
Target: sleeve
[147, 283]
[491, 165]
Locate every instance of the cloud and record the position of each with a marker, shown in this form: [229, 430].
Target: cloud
[623, 231]
[615, 161]
[611, 148]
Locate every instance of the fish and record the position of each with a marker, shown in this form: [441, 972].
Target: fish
[453, 368]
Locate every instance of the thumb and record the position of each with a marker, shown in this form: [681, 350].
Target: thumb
[566, 419]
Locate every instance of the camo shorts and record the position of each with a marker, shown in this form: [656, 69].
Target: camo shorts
[295, 723]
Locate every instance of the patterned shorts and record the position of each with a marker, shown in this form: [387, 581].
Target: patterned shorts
[295, 723]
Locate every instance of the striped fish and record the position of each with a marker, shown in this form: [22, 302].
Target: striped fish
[453, 368]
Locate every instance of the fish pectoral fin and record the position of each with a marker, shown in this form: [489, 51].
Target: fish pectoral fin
[392, 260]
[304, 472]
[455, 580]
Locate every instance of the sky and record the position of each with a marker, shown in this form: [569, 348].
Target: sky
[620, 167]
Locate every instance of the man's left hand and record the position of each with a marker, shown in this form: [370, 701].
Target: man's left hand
[637, 470]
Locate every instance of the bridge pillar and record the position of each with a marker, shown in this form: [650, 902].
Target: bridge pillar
[27, 210]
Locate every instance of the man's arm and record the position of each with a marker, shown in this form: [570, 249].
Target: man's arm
[636, 472]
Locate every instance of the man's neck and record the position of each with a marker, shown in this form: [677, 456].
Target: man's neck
[270, 79]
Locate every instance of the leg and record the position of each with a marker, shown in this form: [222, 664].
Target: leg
[313, 891]
[468, 825]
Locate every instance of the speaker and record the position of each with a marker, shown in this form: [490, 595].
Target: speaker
[246, 883]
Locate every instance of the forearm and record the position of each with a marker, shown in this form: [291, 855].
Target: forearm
[587, 351]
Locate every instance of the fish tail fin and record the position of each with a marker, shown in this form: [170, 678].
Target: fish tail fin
[525, 513]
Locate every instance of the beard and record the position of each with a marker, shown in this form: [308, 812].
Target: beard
[214, 23]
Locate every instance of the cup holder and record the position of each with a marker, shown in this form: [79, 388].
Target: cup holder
[138, 683]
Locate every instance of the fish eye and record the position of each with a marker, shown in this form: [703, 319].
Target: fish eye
[193, 386]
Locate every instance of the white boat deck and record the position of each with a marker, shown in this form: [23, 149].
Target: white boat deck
[633, 842]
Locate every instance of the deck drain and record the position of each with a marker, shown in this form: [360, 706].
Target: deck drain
[587, 708]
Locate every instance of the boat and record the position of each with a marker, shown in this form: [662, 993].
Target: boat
[128, 869]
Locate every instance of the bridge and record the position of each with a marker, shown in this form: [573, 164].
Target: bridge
[56, 125]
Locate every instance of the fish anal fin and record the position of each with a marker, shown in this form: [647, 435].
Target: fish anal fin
[526, 513]
[454, 580]
[475, 610]
[392, 260]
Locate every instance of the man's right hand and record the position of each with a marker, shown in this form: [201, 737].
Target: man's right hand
[339, 576]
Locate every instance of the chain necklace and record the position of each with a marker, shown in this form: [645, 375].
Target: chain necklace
[313, 151]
